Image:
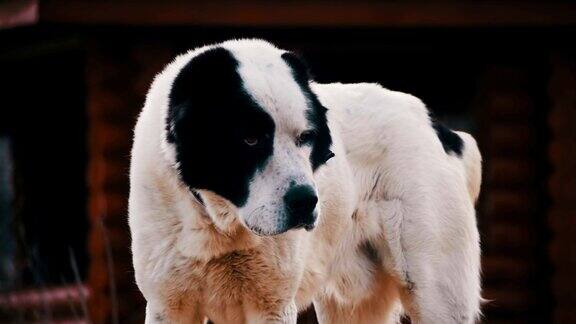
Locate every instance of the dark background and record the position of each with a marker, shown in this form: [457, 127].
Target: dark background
[73, 76]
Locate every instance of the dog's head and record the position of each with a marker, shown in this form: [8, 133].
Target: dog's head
[248, 135]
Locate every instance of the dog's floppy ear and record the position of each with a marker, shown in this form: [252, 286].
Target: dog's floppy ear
[299, 67]
[316, 115]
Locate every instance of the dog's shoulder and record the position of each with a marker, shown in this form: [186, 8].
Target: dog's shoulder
[368, 101]
[374, 120]
[391, 134]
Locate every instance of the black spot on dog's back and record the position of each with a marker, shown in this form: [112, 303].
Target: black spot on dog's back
[451, 142]
[210, 115]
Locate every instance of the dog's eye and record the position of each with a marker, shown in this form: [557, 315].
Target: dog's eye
[256, 140]
[306, 137]
[251, 141]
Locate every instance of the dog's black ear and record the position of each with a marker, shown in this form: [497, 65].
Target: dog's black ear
[316, 114]
[299, 67]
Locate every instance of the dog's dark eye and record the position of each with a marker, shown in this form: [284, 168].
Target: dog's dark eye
[251, 141]
[256, 140]
[305, 138]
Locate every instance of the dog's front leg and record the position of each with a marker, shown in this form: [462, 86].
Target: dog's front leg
[157, 314]
[154, 314]
[286, 315]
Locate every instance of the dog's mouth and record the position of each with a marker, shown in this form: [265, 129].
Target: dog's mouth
[260, 232]
[307, 227]
[306, 220]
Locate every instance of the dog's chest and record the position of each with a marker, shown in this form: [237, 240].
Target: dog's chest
[230, 275]
[243, 279]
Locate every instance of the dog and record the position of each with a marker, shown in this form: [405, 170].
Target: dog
[255, 193]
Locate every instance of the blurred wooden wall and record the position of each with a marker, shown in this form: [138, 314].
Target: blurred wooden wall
[118, 77]
[562, 184]
[512, 110]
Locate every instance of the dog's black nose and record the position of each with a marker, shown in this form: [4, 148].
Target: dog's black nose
[300, 203]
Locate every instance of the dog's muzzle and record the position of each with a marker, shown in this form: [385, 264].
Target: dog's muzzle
[300, 202]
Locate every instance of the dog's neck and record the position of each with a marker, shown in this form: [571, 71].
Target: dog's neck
[210, 226]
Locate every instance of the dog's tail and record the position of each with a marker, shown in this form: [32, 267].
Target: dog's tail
[472, 161]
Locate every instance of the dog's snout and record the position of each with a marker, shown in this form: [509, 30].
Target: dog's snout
[301, 202]
[301, 199]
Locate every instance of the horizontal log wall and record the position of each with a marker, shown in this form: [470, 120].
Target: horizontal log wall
[511, 107]
[118, 77]
[562, 185]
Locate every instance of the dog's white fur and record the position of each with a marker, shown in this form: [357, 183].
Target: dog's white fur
[397, 225]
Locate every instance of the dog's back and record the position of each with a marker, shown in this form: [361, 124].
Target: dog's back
[371, 117]
[420, 180]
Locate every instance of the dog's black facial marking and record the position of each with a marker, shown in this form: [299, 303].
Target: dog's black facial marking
[451, 142]
[316, 114]
[213, 124]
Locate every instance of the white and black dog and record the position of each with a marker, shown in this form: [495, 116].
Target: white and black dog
[256, 192]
